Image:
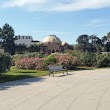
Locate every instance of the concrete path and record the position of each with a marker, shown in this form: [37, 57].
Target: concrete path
[80, 90]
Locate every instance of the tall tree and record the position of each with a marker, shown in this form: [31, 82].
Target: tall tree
[7, 36]
[95, 40]
[104, 40]
[83, 39]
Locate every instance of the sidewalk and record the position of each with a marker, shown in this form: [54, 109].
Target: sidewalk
[80, 90]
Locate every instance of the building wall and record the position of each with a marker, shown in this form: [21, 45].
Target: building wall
[54, 46]
[27, 40]
[51, 47]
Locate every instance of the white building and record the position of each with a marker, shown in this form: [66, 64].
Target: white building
[27, 40]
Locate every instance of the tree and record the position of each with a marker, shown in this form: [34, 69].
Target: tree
[83, 39]
[88, 43]
[96, 43]
[104, 40]
[7, 36]
[107, 47]
[5, 63]
[95, 40]
[34, 48]
[21, 48]
[108, 36]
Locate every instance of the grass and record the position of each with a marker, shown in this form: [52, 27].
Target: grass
[85, 68]
[16, 74]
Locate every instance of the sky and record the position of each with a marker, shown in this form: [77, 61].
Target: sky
[67, 19]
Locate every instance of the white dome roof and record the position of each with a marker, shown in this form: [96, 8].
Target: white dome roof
[64, 43]
[52, 38]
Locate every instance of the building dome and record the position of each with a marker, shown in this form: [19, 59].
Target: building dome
[64, 43]
[52, 38]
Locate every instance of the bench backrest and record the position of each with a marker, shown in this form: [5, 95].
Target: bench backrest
[56, 68]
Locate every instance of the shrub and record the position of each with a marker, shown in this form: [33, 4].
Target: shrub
[102, 60]
[94, 60]
[87, 59]
[50, 60]
[68, 61]
[5, 63]
[30, 63]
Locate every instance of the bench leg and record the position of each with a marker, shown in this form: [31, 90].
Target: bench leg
[49, 73]
[63, 72]
[67, 72]
[53, 74]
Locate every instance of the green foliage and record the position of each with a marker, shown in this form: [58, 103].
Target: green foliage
[102, 60]
[94, 60]
[7, 35]
[5, 63]
[50, 60]
[88, 43]
[34, 48]
[21, 48]
[108, 36]
[83, 39]
[16, 74]
[87, 59]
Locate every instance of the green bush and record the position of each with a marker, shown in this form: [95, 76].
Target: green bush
[88, 59]
[5, 63]
[50, 60]
[102, 60]
[94, 60]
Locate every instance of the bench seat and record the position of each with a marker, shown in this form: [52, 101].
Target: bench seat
[53, 69]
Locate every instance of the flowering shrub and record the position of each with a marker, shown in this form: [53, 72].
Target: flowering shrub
[30, 63]
[67, 60]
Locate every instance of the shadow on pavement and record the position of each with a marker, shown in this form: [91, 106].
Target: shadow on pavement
[65, 75]
[7, 85]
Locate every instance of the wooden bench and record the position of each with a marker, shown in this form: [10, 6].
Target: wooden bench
[53, 69]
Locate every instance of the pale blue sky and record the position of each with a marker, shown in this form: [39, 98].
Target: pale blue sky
[67, 19]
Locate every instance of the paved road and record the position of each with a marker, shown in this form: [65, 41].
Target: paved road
[80, 90]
